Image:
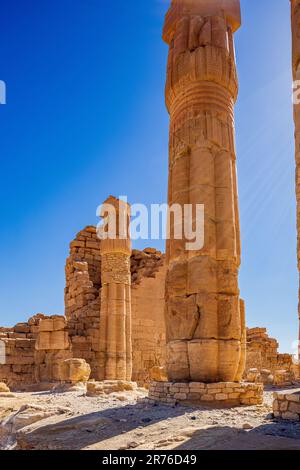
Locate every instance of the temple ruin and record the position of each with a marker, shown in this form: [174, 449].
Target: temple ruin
[34, 348]
[172, 322]
[33, 358]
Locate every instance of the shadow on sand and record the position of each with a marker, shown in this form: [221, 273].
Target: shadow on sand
[85, 430]
[273, 436]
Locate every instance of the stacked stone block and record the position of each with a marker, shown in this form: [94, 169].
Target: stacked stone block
[82, 296]
[18, 371]
[234, 394]
[73, 371]
[263, 357]
[83, 272]
[286, 406]
[204, 316]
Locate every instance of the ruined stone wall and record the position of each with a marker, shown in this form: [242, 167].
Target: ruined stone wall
[148, 322]
[263, 355]
[197, 393]
[82, 296]
[82, 303]
[19, 341]
[83, 272]
[33, 351]
[287, 405]
[52, 346]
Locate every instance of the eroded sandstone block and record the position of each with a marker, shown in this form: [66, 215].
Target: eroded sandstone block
[158, 374]
[52, 346]
[4, 388]
[263, 355]
[53, 340]
[107, 387]
[74, 370]
[286, 406]
[211, 394]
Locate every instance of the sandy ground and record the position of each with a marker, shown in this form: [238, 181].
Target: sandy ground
[121, 421]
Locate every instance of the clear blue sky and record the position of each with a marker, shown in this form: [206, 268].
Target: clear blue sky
[85, 118]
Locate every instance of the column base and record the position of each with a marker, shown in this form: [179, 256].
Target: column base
[213, 394]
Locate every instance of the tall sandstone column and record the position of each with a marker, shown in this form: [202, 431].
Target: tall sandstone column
[115, 314]
[295, 7]
[205, 318]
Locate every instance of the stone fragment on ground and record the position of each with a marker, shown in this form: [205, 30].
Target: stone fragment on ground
[107, 387]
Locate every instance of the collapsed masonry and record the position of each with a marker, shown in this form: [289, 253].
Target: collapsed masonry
[264, 363]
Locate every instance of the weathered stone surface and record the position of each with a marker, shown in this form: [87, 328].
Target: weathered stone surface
[74, 370]
[205, 369]
[19, 342]
[53, 340]
[178, 368]
[263, 355]
[205, 319]
[200, 393]
[52, 346]
[4, 387]
[148, 323]
[158, 374]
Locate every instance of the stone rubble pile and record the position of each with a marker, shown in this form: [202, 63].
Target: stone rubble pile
[264, 363]
[145, 263]
[287, 406]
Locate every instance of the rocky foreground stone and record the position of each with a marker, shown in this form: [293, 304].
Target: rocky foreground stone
[125, 420]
